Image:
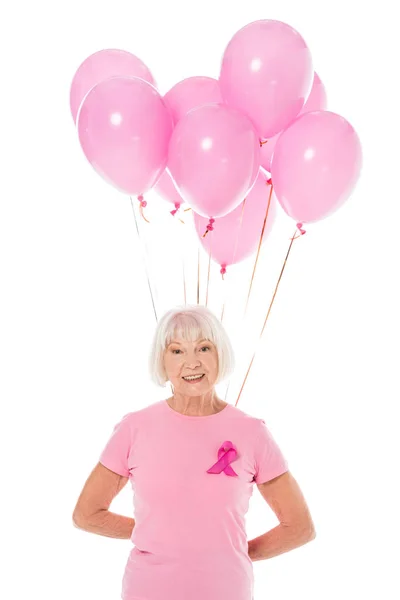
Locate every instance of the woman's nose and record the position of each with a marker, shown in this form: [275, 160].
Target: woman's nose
[192, 361]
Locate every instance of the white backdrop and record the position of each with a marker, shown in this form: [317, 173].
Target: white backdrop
[77, 319]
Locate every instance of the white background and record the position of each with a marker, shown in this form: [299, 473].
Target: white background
[77, 320]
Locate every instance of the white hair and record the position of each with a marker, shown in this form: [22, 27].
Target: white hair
[190, 322]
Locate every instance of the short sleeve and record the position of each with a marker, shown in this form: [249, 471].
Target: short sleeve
[269, 459]
[116, 451]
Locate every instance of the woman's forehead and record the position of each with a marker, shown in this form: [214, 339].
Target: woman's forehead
[180, 341]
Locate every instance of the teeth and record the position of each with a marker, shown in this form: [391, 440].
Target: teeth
[191, 378]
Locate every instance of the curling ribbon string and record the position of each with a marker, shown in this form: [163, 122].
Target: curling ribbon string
[233, 261]
[208, 274]
[270, 306]
[268, 182]
[143, 204]
[198, 275]
[141, 243]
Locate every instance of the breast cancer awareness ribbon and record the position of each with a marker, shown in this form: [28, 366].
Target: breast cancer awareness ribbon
[226, 454]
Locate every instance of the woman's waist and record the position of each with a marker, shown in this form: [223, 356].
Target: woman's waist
[207, 559]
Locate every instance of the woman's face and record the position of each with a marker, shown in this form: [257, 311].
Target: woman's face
[182, 359]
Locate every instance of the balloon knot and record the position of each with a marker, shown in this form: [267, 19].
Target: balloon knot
[143, 202]
[223, 270]
[177, 207]
[269, 181]
[209, 227]
[299, 227]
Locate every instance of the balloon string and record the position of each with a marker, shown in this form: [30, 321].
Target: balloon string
[238, 231]
[184, 280]
[233, 262]
[182, 248]
[269, 310]
[182, 251]
[208, 275]
[173, 212]
[144, 259]
[184, 210]
[269, 182]
[198, 275]
[224, 297]
[143, 204]
[223, 267]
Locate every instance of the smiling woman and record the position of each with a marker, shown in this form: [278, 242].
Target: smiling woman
[190, 324]
[193, 461]
[192, 351]
[192, 364]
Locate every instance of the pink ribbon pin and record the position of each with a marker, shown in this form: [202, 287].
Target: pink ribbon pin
[226, 454]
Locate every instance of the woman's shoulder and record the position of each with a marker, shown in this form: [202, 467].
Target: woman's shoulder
[247, 422]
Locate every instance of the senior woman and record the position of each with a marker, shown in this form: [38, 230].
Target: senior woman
[192, 460]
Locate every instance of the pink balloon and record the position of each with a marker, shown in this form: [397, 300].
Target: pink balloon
[192, 93]
[237, 235]
[267, 73]
[214, 158]
[165, 188]
[185, 96]
[103, 65]
[316, 101]
[124, 129]
[316, 165]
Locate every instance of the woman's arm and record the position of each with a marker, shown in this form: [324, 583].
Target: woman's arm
[277, 541]
[108, 524]
[296, 527]
[91, 511]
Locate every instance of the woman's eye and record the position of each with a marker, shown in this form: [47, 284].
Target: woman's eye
[174, 351]
[207, 347]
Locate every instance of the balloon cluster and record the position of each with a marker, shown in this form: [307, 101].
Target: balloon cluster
[222, 146]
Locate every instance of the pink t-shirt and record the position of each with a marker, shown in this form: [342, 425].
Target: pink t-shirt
[189, 537]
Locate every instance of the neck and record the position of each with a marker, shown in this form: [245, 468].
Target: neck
[207, 404]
